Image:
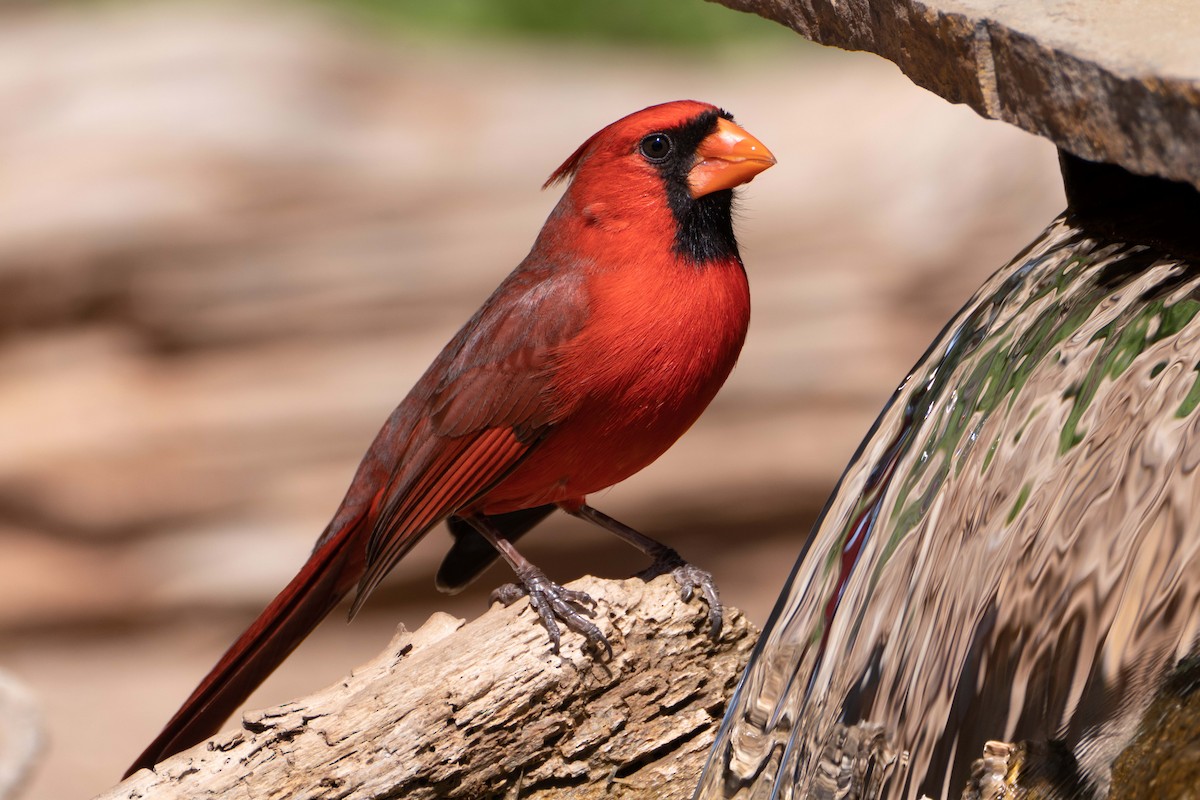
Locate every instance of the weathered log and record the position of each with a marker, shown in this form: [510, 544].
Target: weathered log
[484, 709]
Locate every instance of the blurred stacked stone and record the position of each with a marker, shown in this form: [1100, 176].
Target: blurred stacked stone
[229, 242]
[231, 238]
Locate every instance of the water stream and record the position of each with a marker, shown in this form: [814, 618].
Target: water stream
[1012, 555]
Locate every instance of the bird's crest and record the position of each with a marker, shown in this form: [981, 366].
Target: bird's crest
[664, 115]
[571, 164]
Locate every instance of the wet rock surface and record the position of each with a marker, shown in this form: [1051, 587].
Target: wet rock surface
[1164, 758]
[1114, 81]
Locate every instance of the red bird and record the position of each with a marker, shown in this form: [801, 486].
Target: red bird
[599, 350]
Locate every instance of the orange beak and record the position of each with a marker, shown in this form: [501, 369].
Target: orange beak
[726, 158]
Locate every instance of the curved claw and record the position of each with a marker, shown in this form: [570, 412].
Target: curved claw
[554, 603]
[507, 594]
[690, 578]
[666, 560]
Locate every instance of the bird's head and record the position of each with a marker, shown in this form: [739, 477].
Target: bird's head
[667, 169]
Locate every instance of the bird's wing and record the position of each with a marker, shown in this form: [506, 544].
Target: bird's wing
[479, 410]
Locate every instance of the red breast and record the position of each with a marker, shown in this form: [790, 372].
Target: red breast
[665, 292]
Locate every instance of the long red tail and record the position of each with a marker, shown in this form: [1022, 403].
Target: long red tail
[328, 576]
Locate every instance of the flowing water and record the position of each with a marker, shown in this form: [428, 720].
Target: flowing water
[1012, 555]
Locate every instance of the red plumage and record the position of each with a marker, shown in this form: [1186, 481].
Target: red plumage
[588, 361]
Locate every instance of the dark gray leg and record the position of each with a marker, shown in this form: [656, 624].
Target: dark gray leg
[666, 560]
[551, 601]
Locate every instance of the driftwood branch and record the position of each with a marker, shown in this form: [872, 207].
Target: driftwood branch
[483, 710]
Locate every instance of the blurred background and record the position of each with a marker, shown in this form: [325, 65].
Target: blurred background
[232, 235]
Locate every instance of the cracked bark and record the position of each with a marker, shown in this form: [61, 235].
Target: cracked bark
[484, 710]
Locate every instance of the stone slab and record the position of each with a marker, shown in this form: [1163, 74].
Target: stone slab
[1115, 81]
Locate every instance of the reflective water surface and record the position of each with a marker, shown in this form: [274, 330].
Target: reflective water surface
[1012, 555]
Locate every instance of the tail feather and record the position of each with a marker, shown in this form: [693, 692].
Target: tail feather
[328, 576]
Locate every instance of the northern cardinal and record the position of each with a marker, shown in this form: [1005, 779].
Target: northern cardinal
[591, 358]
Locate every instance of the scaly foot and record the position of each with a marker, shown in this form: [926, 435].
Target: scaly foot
[690, 578]
[666, 560]
[555, 603]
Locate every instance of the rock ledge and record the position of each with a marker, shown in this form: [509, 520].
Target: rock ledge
[1117, 81]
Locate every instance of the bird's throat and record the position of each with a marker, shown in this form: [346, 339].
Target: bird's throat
[704, 228]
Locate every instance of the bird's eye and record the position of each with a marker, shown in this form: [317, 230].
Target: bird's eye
[655, 147]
